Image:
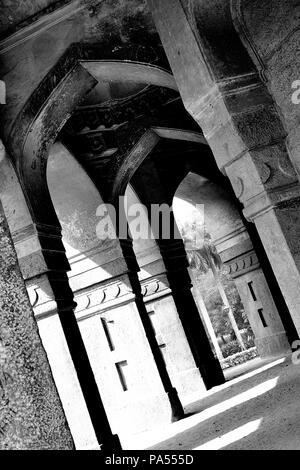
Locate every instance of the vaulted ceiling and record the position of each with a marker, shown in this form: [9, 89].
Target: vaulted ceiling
[40, 38]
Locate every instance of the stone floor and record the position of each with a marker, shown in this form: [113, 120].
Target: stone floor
[257, 410]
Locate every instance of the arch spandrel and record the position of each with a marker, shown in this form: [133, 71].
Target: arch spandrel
[222, 45]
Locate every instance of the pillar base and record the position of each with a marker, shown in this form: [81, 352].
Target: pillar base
[273, 345]
[112, 444]
[176, 406]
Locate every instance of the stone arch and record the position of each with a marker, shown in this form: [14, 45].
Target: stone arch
[240, 119]
[241, 257]
[35, 129]
[46, 112]
[245, 36]
[32, 137]
[138, 72]
[222, 75]
[220, 41]
[127, 269]
[101, 278]
[144, 145]
[41, 133]
[172, 250]
[265, 36]
[249, 57]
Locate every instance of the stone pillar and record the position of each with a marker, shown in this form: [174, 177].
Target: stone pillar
[123, 351]
[91, 158]
[170, 390]
[153, 190]
[174, 256]
[44, 267]
[45, 270]
[168, 329]
[115, 326]
[271, 198]
[241, 124]
[31, 414]
[243, 266]
[162, 311]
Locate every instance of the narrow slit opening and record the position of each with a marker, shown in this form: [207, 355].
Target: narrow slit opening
[107, 334]
[262, 318]
[120, 369]
[250, 285]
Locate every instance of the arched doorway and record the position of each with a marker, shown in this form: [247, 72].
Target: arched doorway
[240, 286]
[118, 344]
[230, 288]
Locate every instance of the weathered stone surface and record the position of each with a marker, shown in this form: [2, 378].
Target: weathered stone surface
[121, 30]
[270, 32]
[25, 12]
[31, 415]
[240, 120]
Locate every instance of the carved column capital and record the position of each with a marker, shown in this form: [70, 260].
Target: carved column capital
[262, 179]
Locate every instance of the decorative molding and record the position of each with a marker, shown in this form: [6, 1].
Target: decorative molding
[265, 172]
[265, 201]
[233, 90]
[154, 287]
[47, 231]
[113, 293]
[229, 236]
[41, 297]
[23, 233]
[238, 186]
[109, 250]
[242, 264]
[33, 265]
[285, 166]
[117, 112]
[239, 84]
[107, 295]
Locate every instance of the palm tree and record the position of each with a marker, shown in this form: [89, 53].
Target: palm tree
[204, 313]
[203, 259]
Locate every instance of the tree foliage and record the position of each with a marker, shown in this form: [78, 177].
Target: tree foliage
[200, 259]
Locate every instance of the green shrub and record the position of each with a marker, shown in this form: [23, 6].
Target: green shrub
[239, 358]
[230, 348]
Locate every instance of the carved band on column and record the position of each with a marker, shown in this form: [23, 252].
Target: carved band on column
[242, 264]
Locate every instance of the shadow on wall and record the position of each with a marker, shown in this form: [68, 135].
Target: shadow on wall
[76, 201]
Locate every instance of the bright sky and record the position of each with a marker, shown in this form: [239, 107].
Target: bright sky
[186, 212]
